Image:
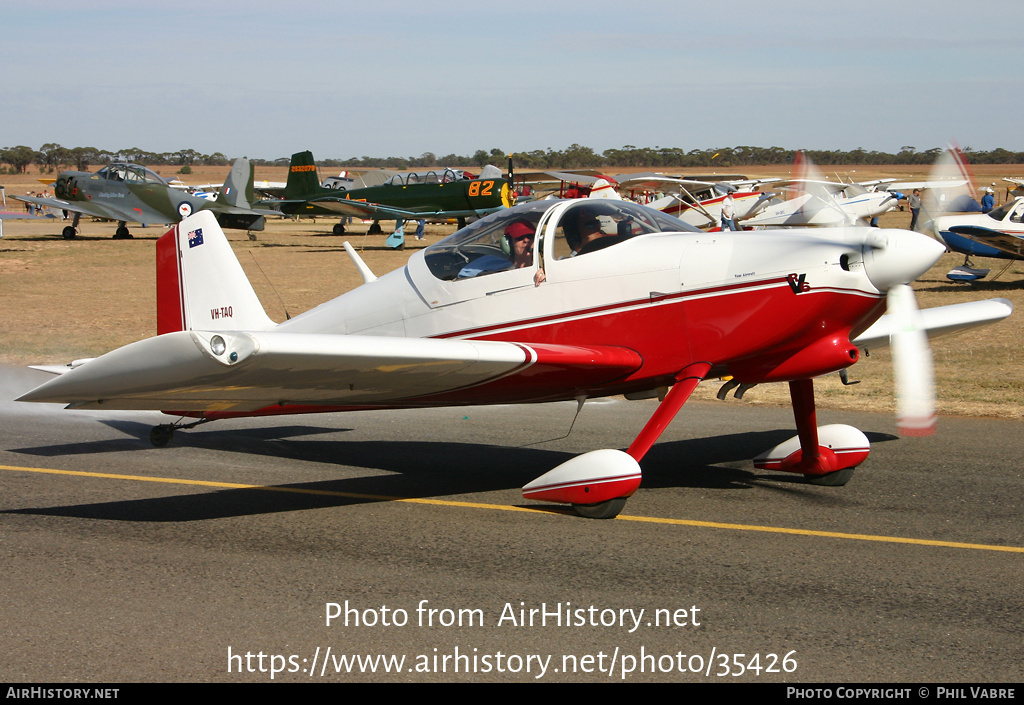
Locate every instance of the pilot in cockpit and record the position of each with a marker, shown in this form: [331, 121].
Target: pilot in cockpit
[520, 236]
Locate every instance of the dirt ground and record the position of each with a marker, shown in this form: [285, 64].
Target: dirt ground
[64, 300]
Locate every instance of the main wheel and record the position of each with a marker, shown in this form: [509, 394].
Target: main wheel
[68, 233]
[831, 479]
[161, 435]
[339, 229]
[608, 509]
[122, 233]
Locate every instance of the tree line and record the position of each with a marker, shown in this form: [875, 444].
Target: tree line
[53, 157]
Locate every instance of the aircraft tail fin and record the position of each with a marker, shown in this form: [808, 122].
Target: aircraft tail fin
[603, 189]
[302, 176]
[237, 191]
[199, 283]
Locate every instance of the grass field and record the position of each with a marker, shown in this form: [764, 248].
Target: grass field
[63, 300]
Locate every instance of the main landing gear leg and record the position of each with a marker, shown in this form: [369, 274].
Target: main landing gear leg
[825, 455]
[71, 231]
[598, 483]
[161, 435]
[686, 382]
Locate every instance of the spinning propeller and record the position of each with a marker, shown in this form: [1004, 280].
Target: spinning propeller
[912, 365]
[892, 260]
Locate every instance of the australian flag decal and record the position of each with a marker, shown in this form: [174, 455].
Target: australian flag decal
[195, 238]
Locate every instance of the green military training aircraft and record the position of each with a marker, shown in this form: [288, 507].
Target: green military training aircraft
[435, 194]
[130, 193]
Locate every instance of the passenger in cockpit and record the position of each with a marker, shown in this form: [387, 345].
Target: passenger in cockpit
[590, 233]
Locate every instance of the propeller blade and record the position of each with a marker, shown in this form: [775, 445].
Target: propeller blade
[912, 365]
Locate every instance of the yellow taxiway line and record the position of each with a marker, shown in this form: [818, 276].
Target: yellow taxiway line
[513, 508]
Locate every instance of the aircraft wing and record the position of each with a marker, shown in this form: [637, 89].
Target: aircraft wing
[748, 184]
[921, 185]
[181, 372]
[1009, 243]
[44, 202]
[811, 185]
[575, 175]
[238, 210]
[377, 211]
[105, 209]
[941, 320]
[577, 178]
[654, 182]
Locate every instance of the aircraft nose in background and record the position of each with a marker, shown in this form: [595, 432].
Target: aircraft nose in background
[899, 257]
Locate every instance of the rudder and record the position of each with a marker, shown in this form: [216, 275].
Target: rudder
[302, 176]
[237, 190]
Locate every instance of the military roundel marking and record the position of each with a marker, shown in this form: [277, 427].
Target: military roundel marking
[184, 209]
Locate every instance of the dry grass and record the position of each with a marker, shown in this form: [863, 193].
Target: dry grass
[64, 300]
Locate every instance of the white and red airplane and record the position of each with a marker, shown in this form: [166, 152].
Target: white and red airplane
[545, 301]
[823, 203]
[699, 202]
[813, 200]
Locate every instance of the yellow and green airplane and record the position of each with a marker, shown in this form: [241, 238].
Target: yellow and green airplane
[414, 196]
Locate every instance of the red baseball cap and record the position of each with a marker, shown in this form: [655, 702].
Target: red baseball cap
[518, 230]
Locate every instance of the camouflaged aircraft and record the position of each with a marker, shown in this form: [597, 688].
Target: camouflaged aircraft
[130, 193]
[414, 196]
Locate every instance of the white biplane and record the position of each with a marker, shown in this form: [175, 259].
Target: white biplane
[545, 301]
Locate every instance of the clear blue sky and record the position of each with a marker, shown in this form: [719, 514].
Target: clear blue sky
[390, 78]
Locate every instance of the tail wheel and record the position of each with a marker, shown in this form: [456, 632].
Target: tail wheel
[161, 435]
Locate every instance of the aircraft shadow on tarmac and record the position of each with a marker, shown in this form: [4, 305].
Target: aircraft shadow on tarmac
[989, 286]
[418, 469]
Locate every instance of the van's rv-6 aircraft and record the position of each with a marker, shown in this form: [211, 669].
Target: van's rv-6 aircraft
[606, 298]
[402, 197]
[130, 193]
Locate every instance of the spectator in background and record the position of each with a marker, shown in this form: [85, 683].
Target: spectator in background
[988, 201]
[915, 208]
[729, 213]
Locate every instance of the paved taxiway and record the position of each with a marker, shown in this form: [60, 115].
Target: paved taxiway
[122, 579]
